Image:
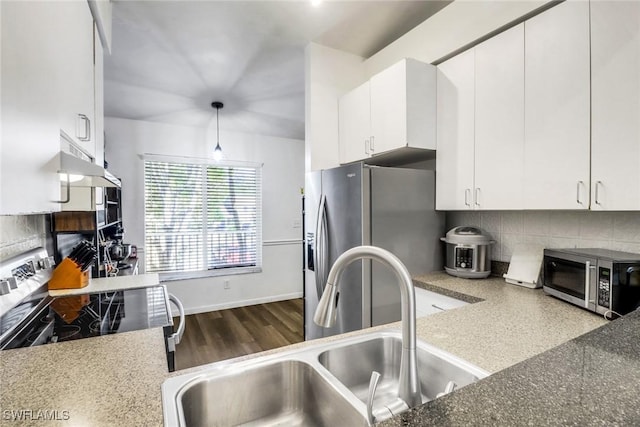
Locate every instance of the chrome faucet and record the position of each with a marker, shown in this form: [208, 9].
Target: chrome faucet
[409, 385]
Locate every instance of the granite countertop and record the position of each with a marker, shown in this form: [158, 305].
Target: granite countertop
[503, 327]
[112, 380]
[549, 371]
[591, 380]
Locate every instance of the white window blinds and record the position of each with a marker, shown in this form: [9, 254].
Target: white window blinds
[201, 217]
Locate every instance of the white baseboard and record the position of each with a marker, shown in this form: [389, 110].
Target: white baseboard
[235, 304]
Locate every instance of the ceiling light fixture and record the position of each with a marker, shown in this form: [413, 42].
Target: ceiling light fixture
[316, 3]
[217, 153]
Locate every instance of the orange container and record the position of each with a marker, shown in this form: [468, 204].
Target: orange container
[67, 275]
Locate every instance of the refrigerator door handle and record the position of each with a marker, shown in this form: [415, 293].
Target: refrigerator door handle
[318, 249]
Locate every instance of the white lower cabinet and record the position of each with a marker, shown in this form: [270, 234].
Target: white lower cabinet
[557, 108]
[615, 105]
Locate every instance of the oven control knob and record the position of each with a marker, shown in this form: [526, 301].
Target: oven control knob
[46, 263]
[4, 287]
[463, 265]
[13, 283]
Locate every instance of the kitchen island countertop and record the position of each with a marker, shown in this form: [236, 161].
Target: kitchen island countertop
[505, 325]
[112, 380]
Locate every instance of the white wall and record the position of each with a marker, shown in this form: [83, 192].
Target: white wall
[329, 73]
[283, 177]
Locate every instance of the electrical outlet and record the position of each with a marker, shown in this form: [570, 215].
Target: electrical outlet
[297, 223]
[227, 285]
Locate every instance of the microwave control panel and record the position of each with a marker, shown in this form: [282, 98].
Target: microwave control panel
[604, 287]
[464, 258]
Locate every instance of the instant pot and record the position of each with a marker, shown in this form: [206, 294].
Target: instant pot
[468, 252]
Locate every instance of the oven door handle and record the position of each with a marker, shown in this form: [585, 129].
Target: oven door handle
[174, 339]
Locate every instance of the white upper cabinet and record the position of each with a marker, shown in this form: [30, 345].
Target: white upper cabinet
[92, 198]
[481, 126]
[455, 132]
[75, 54]
[403, 107]
[615, 105]
[400, 103]
[557, 108]
[30, 139]
[499, 121]
[354, 124]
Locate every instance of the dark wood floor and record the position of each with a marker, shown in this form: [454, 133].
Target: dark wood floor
[218, 335]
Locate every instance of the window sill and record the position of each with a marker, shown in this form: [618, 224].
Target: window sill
[186, 275]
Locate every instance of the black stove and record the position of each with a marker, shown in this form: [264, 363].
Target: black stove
[30, 317]
[91, 315]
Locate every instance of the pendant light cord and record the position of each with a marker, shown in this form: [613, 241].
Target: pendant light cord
[218, 126]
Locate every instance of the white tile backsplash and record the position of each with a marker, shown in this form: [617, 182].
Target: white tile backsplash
[558, 229]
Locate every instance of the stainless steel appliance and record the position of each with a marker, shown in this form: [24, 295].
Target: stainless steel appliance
[468, 252]
[354, 205]
[600, 280]
[30, 317]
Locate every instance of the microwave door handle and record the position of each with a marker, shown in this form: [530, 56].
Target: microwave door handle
[587, 283]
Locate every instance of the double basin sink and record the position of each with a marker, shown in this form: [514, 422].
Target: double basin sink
[324, 384]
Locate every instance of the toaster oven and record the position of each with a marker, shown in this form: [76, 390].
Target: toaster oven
[599, 280]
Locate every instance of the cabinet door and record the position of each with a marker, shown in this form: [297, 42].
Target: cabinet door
[98, 83]
[92, 198]
[499, 121]
[455, 132]
[354, 125]
[74, 36]
[557, 116]
[403, 106]
[615, 106]
[30, 138]
[389, 108]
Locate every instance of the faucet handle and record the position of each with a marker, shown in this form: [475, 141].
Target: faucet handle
[373, 385]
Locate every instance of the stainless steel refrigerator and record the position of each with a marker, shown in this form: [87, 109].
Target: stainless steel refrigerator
[352, 205]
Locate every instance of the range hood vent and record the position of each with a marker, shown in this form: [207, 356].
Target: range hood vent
[82, 173]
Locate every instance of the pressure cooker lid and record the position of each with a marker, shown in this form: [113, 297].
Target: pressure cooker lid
[468, 235]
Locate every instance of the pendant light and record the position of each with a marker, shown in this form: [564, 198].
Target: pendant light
[217, 152]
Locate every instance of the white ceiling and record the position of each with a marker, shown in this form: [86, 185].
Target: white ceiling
[171, 59]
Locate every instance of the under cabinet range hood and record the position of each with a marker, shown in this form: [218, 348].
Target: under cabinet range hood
[77, 172]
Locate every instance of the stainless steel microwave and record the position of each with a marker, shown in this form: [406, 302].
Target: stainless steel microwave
[600, 280]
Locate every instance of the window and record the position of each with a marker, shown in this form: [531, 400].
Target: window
[201, 219]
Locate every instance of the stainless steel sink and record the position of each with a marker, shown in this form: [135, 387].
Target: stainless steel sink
[352, 364]
[288, 392]
[322, 384]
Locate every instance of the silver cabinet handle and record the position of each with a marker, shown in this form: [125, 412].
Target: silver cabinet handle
[174, 339]
[578, 192]
[87, 128]
[366, 146]
[371, 144]
[477, 197]
[598, 183]
[467, 192]
[67, 197]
